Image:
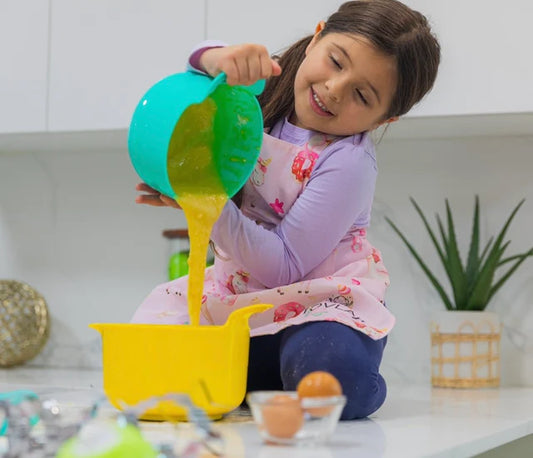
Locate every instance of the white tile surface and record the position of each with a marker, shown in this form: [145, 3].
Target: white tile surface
[416, 421]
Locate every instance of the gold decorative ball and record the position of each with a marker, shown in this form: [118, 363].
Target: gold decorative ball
[24, 323]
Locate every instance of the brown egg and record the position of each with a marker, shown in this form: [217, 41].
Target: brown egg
[319, 384]
[282, 416]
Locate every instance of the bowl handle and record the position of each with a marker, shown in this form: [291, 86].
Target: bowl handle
[99, 327]
[255, 89]
[240, 316]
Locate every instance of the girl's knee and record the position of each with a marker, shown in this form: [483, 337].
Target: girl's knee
[351, 357]
[364, 397]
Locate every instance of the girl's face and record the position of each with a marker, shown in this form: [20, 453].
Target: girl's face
[344, 86]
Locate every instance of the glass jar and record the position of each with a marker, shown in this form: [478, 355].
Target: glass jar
[179, 247]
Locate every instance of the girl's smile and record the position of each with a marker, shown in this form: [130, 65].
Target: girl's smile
[344, 86]
[317, 105]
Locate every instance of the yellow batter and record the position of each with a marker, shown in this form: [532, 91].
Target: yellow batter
[196, 182]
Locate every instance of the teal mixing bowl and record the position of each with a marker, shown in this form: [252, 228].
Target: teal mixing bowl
[233, 143]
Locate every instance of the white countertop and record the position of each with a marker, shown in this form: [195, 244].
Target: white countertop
[416, 421]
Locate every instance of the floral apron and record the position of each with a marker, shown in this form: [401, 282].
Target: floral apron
[347, 287]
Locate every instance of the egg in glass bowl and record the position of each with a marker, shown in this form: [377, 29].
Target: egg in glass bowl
[282, 417]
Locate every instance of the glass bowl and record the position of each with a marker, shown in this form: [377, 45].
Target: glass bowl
[283, 418]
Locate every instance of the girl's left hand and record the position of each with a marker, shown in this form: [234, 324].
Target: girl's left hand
[154, 197]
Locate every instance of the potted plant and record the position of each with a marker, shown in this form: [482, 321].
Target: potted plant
[465, 338]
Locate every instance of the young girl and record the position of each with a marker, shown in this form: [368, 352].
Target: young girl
[297, 238]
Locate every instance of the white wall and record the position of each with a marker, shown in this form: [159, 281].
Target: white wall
[498, 169]
[69, 227]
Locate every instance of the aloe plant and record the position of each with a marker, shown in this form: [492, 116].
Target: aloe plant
[473, 283]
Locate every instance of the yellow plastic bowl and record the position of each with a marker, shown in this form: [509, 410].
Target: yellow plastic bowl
[209, 363]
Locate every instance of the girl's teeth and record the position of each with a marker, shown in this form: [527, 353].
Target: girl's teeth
[319, 103]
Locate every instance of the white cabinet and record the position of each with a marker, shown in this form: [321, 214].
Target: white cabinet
[486, 57]
[275, 24]
[486, 46]
[83, 65]
[105, 54]
[24, 57]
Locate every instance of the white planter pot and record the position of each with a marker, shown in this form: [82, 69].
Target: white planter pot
[465, 349]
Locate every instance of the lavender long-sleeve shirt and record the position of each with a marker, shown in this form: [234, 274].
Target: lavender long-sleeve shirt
[337, 198]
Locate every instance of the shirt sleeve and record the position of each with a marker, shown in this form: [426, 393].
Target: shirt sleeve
[340, 189]
[193, 63]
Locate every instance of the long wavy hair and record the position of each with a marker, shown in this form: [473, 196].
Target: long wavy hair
[393, 28]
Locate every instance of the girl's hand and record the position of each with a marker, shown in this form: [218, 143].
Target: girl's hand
[243, 64]
[153, 197]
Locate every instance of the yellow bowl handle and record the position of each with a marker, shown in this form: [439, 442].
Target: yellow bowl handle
[242, 315]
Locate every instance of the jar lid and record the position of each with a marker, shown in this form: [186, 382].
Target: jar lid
[176, 233]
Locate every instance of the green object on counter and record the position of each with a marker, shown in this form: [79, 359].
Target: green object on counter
[178, 265]
[126, 442]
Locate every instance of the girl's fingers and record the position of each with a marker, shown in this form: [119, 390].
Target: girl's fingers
[253, 72]
[153, 197]
[260, 65]
[231, 69]
[266, 66]
[245, 64]
[243, 71]
[157, 200]
[145, 188]
[276, 69]
[257, 69]
[153, 200]
[168, 201]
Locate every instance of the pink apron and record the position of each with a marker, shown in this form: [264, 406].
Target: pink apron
[347, 287]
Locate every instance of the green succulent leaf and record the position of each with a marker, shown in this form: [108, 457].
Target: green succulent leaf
[473, 260]
[485, 251]
[430, 232]
[474, 284]
[479, 297]
[501, 235]
[520, 259]
[444, 238]
[448, 239]
[516, 256]
[457, 274]
[426, 270]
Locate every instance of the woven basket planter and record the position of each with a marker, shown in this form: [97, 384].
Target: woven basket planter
[465, 349]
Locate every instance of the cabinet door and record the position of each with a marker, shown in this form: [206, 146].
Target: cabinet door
[275, 24]
[106, 54]
[23, 53]
[486, 57]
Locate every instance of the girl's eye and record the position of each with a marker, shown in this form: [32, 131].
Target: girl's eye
[361, 96]
[335, 62]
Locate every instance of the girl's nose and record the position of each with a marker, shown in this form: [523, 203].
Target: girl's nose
[334, 89]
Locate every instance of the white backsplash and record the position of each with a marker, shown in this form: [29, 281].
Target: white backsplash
[70, 228]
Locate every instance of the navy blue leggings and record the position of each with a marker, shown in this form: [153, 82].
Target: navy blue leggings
[279, 361]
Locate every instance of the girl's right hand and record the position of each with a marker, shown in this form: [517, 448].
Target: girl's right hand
[153, 197]
[243, 64]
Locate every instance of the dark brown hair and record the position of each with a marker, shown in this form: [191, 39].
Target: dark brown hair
[393, 28]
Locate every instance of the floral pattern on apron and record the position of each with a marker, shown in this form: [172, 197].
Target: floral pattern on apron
[347, 287]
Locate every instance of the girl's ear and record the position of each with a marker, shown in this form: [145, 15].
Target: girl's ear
[387, 121]
[318, 29]
[393, 119]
